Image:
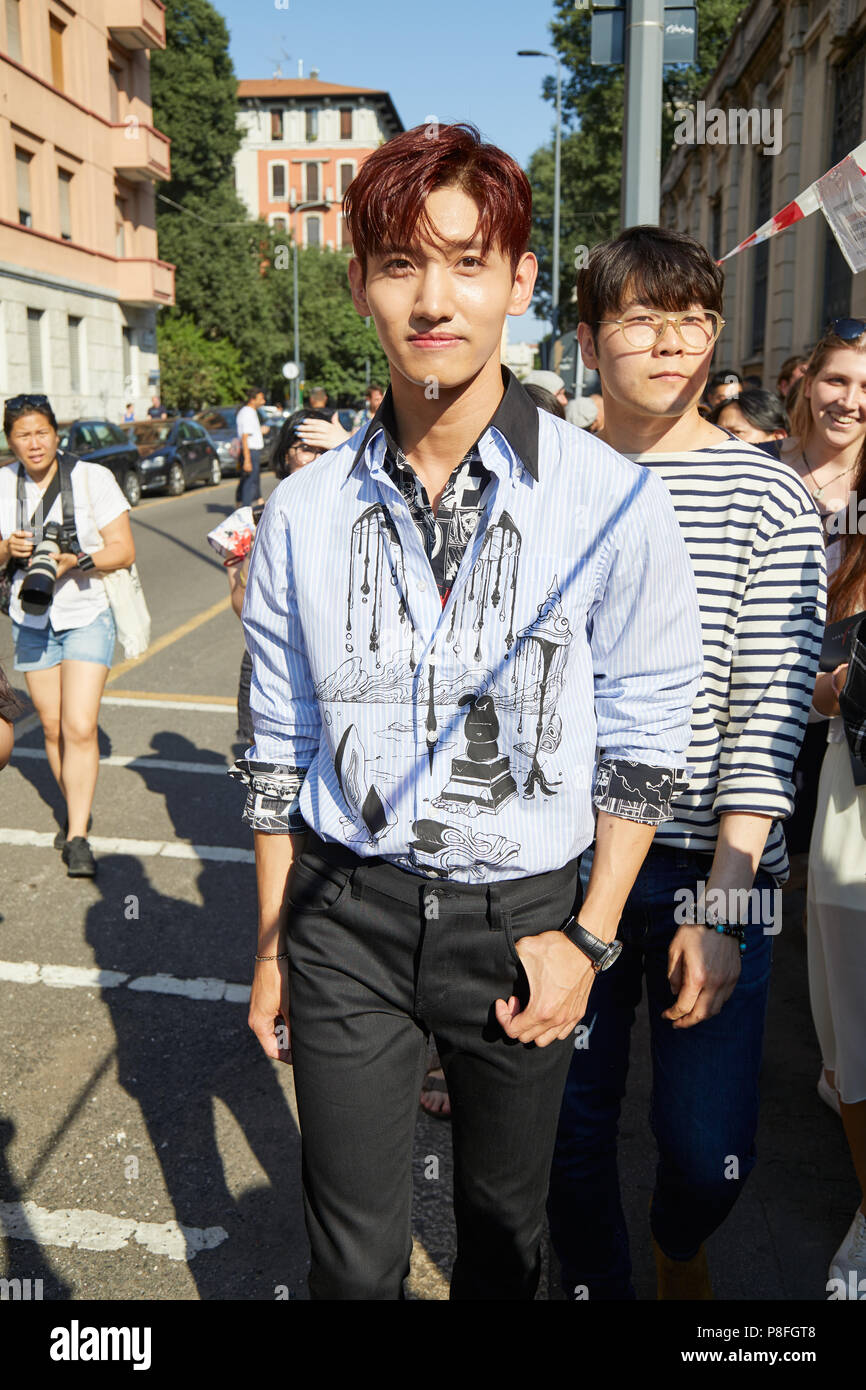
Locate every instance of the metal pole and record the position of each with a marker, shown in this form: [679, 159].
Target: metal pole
[554, 300]
[296, 384]
[643, 112]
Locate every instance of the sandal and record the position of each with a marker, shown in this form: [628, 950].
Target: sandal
[436, 1085]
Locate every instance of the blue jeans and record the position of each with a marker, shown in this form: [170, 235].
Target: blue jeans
[249, 486]
[704, 1105]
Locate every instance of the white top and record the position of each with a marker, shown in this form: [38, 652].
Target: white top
[248, 424]
[97, 500]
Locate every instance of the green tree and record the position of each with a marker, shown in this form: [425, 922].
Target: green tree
[335, 342]
[592, 118]
[197, 370]
[202, 225]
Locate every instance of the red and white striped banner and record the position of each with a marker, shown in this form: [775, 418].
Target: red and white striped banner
[802, 206]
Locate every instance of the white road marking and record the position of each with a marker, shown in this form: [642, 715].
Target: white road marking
[168, 704]
[135, 761]
[96, 1230]
[29, 972]
[143, 849]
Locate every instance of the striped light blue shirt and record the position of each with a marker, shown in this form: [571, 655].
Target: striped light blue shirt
[470, 740]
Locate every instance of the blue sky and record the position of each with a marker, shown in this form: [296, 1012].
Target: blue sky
[455, 59]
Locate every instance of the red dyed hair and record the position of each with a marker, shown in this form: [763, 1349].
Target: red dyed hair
[385, 202]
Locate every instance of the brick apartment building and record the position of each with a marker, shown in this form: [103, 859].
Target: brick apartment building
[303, 142]
[80, 276]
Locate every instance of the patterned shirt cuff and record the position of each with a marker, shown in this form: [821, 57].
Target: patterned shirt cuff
[634, 791]
[272, 796]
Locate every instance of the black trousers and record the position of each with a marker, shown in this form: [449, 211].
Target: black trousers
[379, 960]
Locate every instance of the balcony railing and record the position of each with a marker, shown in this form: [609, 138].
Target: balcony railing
[140, 152]
[136, 23]
[145, 282]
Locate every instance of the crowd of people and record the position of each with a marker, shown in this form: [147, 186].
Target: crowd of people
[543, 754]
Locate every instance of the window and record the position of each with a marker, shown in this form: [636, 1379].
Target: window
[64, 199]
[57, 32]
[22, 174]
[716, 228]
[761, 253]
[345, 123]
[119, 227]
[106, 434]
[347, 173]
[114, 85]
[847, 124]
[34, 349]
[345, 234]
[13, 30]
[278, 183]
[279, 224]
[73, 330]
[276, 124]
[312, 182]
[127, 360]
[313, 230]
[311, 123]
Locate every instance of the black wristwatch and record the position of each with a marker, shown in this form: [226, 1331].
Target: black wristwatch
[602, 954]
[84, 561]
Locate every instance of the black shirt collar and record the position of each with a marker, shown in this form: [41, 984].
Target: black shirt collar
[516, 418]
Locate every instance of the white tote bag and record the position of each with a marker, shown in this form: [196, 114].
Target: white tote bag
[126, 597]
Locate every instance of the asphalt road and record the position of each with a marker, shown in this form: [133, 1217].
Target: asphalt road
[148, 1149]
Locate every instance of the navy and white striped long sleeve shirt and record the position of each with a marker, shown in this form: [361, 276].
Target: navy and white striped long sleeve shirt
[470, 739]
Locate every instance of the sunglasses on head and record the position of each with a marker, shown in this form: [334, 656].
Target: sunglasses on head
[848, 328]
[16, 402]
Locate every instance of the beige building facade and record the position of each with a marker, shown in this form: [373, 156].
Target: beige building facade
[80, 277]
[794, 75]
[303, 141]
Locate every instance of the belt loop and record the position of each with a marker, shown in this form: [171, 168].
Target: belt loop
[494, 907]
[355, 880]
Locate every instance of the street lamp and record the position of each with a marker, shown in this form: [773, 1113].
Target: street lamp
[554, 304]
[301, 207]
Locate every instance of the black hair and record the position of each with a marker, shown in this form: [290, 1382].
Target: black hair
[288, 436]
[764, 410]
[545, 400]
[723, 378]
[16, 406]
[254, 391]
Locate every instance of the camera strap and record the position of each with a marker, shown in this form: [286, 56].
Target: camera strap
[61, 483]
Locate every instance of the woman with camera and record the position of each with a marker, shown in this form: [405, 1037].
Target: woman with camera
[63, 523]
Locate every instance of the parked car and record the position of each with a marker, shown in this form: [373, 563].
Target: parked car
[220, 421]
[174, 453]
[101, 441]
[6, 454]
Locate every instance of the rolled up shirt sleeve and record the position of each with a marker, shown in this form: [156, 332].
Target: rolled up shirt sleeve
[283, 705]
[647, 658]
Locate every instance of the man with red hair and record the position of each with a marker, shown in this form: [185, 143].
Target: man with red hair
[465, 631]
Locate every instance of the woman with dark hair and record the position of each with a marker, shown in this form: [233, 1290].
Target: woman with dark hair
[545, 400]
[291, 451]
[829, 453]
[64, 639]
[755, 415]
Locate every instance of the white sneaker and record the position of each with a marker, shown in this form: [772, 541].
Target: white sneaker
[848, 1265]
[828, 1093]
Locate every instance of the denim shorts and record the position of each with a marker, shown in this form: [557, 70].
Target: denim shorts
[39, 648]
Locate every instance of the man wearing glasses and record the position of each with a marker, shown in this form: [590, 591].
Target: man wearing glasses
[694, 928]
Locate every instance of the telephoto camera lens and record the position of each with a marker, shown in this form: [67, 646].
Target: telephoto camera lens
[37, 588]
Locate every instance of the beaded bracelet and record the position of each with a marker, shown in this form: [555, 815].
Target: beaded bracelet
[728, 929]
[284, 955]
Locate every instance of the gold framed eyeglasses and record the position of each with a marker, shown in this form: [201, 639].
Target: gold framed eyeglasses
[697, 328]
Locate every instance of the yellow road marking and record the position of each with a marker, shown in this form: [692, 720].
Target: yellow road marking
[161, 695]
[189, 492]
[170, 638]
